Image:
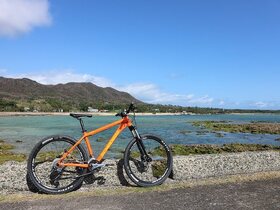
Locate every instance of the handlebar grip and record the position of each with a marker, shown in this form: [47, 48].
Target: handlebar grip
[121, 114]
[125, 113]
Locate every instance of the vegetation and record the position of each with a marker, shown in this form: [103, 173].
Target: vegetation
[185, 132]
[158, 168]
[26, 95]
[159, 108]
[100, 139]
[7, 105]
[215, 149]
[47, 156]
[67, 105]
[7, 155]
[255, 128]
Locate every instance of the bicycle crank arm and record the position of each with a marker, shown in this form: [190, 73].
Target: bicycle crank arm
[77, 177]
[93, 170]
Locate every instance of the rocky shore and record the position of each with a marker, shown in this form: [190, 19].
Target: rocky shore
[254, 127]
[13, 174]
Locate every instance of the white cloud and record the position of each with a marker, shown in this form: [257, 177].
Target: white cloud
[147, 92]
[65, 76]
[266, 105]
[261, 104]
[20, 16]
[202, 100]
[153, 94]
[221, 103]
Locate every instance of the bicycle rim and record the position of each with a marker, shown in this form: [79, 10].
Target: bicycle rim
[154, 171]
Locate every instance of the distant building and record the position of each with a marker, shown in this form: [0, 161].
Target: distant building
[104, 110]
[26, 109]
[187, 113]
[90, 109]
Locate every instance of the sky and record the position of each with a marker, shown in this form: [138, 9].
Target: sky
[204, 53]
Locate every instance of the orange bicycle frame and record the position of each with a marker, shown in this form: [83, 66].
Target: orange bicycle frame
[123, 123]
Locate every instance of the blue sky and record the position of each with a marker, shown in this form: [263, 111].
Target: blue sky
[186, 52]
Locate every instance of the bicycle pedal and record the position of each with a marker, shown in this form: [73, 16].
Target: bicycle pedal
[92, 179]
[97, 166]
[89, 179]
[101, 180]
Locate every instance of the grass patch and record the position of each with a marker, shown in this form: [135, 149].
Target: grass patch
[47, 156]
[100, 139]
[219, 135]
[185, 132]
[200, 133]
[7, 155]
[215, 149]
[254, 128]
[159, 168]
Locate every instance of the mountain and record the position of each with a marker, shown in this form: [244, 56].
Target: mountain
[26, 89]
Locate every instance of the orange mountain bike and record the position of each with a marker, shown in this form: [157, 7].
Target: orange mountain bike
[59, 164]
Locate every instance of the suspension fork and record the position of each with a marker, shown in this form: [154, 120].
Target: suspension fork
[139, 143]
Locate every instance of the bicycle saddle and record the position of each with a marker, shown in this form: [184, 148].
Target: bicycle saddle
[80, 115]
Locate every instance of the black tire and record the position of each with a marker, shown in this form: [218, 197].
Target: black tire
[30, 184]
[41, 166]
[152, 172]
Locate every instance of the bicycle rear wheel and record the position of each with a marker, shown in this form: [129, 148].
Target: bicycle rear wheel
[151, 169]
[42, 169]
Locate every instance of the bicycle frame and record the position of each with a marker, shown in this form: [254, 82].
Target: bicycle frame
[123, 123]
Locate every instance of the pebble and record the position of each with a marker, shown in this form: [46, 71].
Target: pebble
[13, 174]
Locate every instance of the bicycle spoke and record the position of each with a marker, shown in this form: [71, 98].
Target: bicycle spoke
[46, 161]
[150, 169]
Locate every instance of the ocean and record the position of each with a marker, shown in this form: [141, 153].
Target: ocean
[25, 131]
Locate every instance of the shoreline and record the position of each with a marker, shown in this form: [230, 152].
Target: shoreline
[9, 114]
[12, 114]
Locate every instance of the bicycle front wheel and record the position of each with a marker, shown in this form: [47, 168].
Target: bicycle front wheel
[42, 171]
[148, 169]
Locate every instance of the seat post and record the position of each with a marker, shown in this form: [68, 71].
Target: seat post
[82, 125]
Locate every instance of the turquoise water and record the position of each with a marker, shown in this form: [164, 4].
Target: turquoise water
[30, 129]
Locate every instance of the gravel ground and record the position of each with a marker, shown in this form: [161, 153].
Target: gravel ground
[260, 194]
[13, 174]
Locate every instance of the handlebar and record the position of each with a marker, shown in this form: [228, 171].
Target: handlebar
[131, 108]
[124, 113]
